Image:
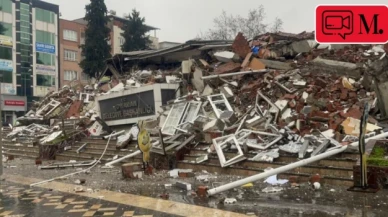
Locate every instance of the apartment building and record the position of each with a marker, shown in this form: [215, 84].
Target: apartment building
[28, 54]
[72, 35]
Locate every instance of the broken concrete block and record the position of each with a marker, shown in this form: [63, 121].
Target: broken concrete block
[132, 170]
[186, 66]
[227, 92]
[276, 64]
[240, 45]
[281, 105]
[183, 185]
[229, 117]
[226, 56]
[197, 81]
[303, 149]
[336, 67]
[215, 124]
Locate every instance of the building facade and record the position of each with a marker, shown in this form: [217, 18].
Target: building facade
[29, 57]
[71, 37]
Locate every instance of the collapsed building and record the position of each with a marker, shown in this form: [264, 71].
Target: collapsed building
[277, 94]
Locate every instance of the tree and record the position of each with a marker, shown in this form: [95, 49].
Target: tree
[277, 25]
[135, 33]
[96, 49]
[226, 26]
[2, 29]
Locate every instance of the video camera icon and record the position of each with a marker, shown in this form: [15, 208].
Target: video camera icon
[337, 22]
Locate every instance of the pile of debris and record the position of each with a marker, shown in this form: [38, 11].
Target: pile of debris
[277, 92]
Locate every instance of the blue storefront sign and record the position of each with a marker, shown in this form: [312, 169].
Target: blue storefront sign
[6, 65]
[45, 48]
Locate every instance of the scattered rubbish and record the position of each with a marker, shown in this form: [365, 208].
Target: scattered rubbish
[165, 196]
[249, 185]
[273, 180]
[78, 190]
[80, 181]
[183, 185]
[230, 201]
[167, 186]
[272, 189]
[317, 185]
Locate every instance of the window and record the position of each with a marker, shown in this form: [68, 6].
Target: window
[6, 6]
[70, 75]
[6, 53]
[70, 55]
[122, 41]
[7, 76]
[7, 29]
[45, 59]
[84, 77]
[70, 35]
[45, 37]
[45, 16]
[45, 80]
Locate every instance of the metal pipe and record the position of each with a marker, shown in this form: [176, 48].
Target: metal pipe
[235, 73]
[291, 166]
[115, 134]
[123, 158]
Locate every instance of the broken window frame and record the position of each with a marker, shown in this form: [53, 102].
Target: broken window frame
[178, 110]
[87, 99]
[218, 147]
[277, 138]
[183, 116]
[53, 103]
[273, 106]
[214, 103]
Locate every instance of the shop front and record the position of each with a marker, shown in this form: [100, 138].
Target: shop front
[11, 108]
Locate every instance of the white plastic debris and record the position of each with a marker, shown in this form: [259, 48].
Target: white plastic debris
[272, 189]
[317, 185]
[230, 201]
[273, 180]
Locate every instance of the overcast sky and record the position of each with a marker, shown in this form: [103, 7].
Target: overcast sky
[182, 20]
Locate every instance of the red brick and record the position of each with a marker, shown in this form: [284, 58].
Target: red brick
[354, 113]
[344, 94]
[165, 196]
[353, 95]
[330, 107]
[320, 82]
[289, 96]
[228, 67]
[293, 179]
[241, 46]
[315, 178]
[202, 191]
[292, 104]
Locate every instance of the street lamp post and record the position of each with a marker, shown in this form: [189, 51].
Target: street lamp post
[1, 130]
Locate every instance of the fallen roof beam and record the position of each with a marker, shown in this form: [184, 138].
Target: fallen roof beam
[235, 73]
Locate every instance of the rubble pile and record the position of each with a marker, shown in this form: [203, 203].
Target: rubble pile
[277, 92]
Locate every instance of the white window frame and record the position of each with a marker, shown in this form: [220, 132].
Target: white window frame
[169, 128]
[70, 55]
[122, 41]
[222, 101]
[219, 149]
[70, 35]
[174, 118]
[269, 138]
[69, 75]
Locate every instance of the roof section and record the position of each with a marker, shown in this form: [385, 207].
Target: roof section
[121, 19]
